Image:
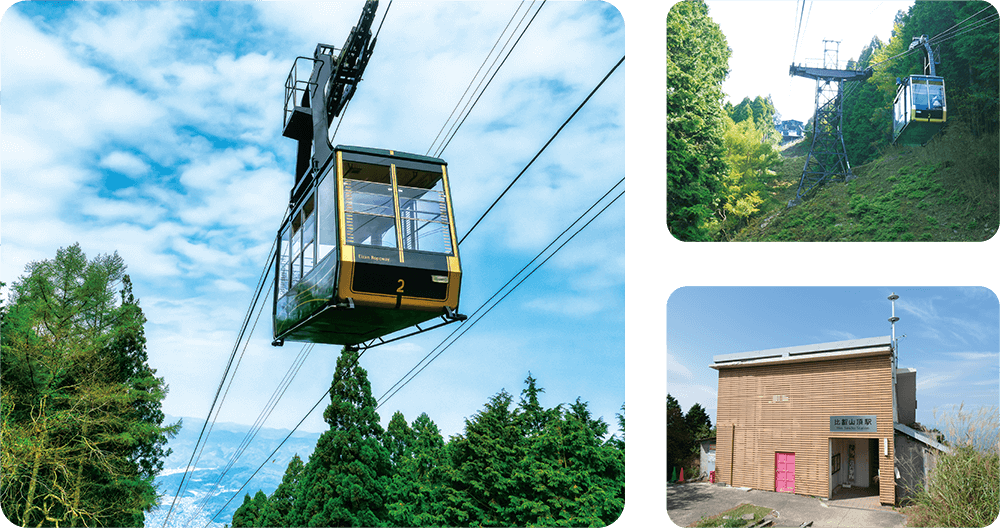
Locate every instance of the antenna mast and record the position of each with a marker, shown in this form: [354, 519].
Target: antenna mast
[892, 321]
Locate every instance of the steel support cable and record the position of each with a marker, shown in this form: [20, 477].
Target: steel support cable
[539, 153]
[975, 25]
[465, 328]
[941, 34]
[218, 409]
[798, 29]
[262, 418]
[225, 374]
[289, 435]
[508, 188]
[481, 92]
[941, 37]
[471, 81]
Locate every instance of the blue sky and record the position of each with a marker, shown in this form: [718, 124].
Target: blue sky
[951, 336]
[153, 129]
[763, 50]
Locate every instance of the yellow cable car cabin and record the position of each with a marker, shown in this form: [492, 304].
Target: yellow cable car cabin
[369, 246]
[369, 249]
[919, 110]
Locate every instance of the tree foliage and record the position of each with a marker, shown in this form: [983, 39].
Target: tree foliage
[344, 482]
[697, 63]
[81, 420]
[968, 63]
[514, 465]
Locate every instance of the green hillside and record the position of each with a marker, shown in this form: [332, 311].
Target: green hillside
[944, 191]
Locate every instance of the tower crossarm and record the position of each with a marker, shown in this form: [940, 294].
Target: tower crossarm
[827, 74]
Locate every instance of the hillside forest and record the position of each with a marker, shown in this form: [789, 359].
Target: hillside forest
[514, 465]
[728, 176]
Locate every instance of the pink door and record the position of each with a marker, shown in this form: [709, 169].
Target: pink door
[784, 472]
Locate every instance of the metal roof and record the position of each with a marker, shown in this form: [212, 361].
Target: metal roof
[805, 352]
[920, 437]
[391, 154]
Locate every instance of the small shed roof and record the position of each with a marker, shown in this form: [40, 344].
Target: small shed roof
[815, 352]
[921, 437]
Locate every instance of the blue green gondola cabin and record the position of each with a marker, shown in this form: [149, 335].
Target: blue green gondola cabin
[919, 110]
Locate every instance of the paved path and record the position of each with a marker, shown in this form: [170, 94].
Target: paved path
[686, 503]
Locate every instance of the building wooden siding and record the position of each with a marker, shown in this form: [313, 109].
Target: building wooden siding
[807, 394]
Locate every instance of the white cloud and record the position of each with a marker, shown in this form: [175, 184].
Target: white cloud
[228, 285]
[675, 368]
[974, 356]
[157, 93]
[839, 335]
[125, 163]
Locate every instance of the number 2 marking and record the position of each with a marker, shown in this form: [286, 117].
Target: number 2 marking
[401, 286]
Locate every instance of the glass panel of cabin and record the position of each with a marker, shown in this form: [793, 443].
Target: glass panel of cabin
[424, 219]
[920, 95]
[308, 235]
[284, 257]
[296, 263]
[935, 93]
[369, 213]
[326, 217]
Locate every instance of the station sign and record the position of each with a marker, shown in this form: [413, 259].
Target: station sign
[863, 423]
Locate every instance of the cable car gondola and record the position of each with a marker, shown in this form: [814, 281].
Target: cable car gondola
[919, 110]
[369, 247]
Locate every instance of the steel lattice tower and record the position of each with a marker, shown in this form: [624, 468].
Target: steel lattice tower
[827, 159]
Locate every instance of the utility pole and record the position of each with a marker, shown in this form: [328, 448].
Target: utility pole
[827, 159]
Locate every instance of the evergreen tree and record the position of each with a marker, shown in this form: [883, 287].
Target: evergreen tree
[532, 415]
[253, 512]
[416, 490]
[506, 472]
[569, 475]
[282, 501]
[80, 404]
[344, 483]
[482, 464]
[698, 422]
[679, 441]
[697, 63]
[620, 442]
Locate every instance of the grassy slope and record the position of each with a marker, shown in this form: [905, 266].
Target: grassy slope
[946, 190]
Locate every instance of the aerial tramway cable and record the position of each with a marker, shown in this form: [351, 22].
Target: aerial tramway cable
[473, 79]
[458, 123]
[473, 319]
[591, 94]
[539, 153]
[246, 321]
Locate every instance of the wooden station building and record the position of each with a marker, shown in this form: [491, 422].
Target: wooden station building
[809, 419]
